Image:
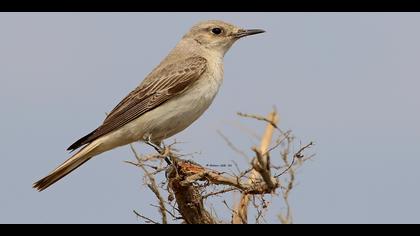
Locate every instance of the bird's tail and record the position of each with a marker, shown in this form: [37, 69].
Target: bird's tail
[68, 166]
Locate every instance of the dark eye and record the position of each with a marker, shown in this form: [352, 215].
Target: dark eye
[216, 30]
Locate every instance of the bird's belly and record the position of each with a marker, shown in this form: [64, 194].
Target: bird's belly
[175, 115]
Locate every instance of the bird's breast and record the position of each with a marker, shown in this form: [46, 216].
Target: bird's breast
[200, 96]
[180, 112]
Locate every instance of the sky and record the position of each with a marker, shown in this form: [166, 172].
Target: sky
[348, 81]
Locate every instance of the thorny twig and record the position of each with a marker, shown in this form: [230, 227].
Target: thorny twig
[148, 220]
[260, 165]
[232, 146]
[258, 117]
[298, 155]
[220, 192]
[185, 178]
[152, 186]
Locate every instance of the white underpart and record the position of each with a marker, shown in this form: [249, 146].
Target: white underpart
[173, 116]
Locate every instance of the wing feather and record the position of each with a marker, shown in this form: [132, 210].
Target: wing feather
[167, 83]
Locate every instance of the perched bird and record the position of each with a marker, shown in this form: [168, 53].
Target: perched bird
[170, 98]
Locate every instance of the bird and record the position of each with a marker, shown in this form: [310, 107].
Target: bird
[169, 99]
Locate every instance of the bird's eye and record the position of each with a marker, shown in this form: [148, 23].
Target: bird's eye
[216, 30]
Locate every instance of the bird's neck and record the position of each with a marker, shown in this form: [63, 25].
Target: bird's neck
[193, 47]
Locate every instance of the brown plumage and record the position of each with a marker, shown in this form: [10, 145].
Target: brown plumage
[68, 166]
[172, 80]
[175, 94]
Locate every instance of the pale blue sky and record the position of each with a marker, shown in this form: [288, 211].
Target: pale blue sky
[348, 81]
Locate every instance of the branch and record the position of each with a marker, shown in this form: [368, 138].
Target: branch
[261, 167]
[183, 176]
[188, 197]
[187, 181]
[298, 155]
[258, 117]
[232, 146]
[219, 192]
[152, 186]
[148, 220]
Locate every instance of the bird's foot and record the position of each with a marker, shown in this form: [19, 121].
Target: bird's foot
[159, 149]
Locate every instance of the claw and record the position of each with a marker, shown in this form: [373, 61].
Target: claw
[158, 149]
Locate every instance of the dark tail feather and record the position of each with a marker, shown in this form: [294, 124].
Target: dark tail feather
[68, 166]
[82, 141]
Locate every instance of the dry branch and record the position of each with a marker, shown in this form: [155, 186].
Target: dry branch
[152, 185]
[260, 165]
[187, 181]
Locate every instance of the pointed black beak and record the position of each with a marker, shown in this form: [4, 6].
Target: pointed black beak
[242, 33]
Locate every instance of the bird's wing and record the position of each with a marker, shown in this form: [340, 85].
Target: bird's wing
[167, 83]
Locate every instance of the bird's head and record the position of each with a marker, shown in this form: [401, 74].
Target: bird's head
[217, 35]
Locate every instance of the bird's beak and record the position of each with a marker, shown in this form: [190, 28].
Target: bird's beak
[242, 33]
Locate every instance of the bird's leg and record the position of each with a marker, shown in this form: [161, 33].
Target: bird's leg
[158, 149]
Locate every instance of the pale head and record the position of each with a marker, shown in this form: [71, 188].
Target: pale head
[217, 35]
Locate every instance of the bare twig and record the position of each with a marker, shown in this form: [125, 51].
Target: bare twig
[298, 155]
[152, 186]
[241, 216]
[258, 117]
[148, 220]
[219, 192]
[228, 207]
[279, 141]
[264, 171]
[232, 146]
[188, 182]
[167, 211]
[287, 217]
